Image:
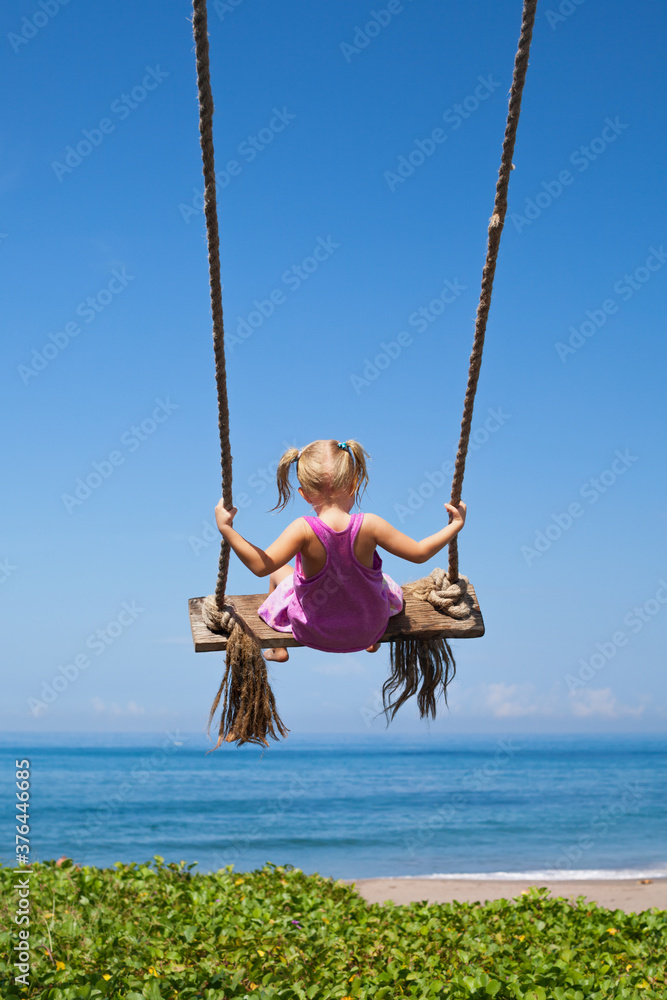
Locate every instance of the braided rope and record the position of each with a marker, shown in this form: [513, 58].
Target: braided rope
[200, 30]
[496, 224]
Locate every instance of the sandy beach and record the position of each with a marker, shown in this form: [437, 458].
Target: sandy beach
[622, 894]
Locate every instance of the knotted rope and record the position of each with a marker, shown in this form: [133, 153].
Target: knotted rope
[249, 709]
[217, 619]
[431, 661]
[249, 712]
[495, 230]
[448, 598]
[200, 30]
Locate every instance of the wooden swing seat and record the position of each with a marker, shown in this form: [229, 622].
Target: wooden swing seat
[417, 620]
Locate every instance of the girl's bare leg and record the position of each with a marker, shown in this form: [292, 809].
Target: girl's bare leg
[277, 653]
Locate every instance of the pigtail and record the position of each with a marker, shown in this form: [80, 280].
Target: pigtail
[359, 455]
[282, 477]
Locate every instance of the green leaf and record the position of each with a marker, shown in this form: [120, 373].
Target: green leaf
[152, 991]
[204, 939]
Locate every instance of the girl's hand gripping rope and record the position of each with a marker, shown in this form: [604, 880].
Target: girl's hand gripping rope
[224, 518]
[457, 515]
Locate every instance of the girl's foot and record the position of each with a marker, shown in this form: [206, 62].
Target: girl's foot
[374, 648]
[276, 653]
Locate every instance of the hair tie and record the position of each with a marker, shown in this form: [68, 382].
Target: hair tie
[345, 445]
[297, 457]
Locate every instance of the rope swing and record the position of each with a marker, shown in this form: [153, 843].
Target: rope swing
[421, 659]
[496, 224]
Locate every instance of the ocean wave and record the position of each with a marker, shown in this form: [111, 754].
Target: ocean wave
[551, 875]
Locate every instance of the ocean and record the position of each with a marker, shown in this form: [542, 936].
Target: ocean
[349, 806]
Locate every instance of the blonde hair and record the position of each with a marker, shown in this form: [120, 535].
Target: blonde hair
[324, 469]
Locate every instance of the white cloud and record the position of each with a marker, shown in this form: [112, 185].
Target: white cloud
[602, 701]
[515, 701]
[505, 701]
[342, 667]
[115, 710]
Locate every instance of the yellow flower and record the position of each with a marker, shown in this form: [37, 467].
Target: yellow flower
[521, 937]
[151, 971]
[60, 965]
[627, 968]
[239, 881]
[254, 986]
[106, 976]
[259, 952]
[611, 930]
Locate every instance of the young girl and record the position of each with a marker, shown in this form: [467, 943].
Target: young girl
[336, 597]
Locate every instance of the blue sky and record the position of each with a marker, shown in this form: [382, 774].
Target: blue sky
[372, 133]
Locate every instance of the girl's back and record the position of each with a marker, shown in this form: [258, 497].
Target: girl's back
[344, 606]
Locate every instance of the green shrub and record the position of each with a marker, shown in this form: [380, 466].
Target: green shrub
[161, 932]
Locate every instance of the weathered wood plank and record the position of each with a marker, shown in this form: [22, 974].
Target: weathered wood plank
[417, 620]
[204, 640]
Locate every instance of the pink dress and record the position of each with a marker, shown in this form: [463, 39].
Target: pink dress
[342, 609]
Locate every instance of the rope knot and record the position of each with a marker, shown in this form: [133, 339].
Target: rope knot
[215, 618]
[450, 599]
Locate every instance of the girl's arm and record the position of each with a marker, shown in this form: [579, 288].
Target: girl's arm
[259, 561]
[401, 545]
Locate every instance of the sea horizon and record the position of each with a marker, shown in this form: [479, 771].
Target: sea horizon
[401, 806]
